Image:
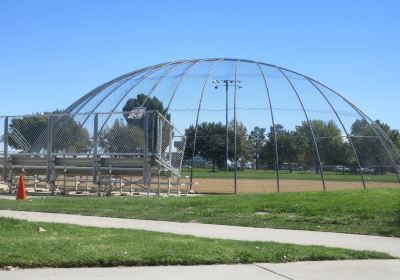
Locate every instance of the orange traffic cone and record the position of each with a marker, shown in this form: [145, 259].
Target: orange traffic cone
[21, 193]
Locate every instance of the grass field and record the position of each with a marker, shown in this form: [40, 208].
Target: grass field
[373, 211]
[60, 245]
[286, 175]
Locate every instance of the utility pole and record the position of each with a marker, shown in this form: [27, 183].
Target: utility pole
[227, 84]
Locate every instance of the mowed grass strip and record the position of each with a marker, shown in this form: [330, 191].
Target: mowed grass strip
[203, 173]
[374, 211]
[23, 245]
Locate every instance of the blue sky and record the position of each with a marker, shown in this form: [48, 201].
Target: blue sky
[53, 52]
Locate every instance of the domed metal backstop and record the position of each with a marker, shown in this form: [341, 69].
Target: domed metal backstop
[219, 125]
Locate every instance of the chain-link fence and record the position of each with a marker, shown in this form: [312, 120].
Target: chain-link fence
[95, 145]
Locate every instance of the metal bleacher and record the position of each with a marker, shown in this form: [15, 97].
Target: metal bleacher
[147, 166]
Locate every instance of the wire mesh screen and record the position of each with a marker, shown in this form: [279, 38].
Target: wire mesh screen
[250, 126]
[2, 135]
[233, 125]
[170, 143]
[2, 147]
[120, 134]
[23, 132]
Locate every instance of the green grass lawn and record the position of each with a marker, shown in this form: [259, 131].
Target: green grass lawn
[61, 245]
[371, 211]
[296, 175]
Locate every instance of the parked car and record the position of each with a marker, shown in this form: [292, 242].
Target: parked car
[294, 166]
[366, 170]
[341, 168]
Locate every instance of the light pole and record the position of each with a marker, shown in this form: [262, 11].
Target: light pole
[227, 84]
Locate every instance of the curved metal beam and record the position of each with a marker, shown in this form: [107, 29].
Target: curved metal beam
[105, 85]
[197, 120]
[86, 98]
[161, 79]
[309, 123]
[344, 128]
[273, 128]
[77, 109]
[368, 120]
[126, 93]
[101, 101]
[179, 83]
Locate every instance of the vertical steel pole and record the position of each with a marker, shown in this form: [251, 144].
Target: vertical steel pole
[5, 135]
[49, 142]
[95, 147]
[158, 180]
[146, 156]
[226, 127]
[160, 136]
[49, 152]
[234, 127]
[235, 147]
[153, 132]
[6, 167]
[171, 139]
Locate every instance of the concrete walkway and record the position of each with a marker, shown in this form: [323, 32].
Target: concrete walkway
[343, 270]
[351, 241]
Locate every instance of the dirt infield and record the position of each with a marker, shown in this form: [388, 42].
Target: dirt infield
[260, 186]
[226, 186]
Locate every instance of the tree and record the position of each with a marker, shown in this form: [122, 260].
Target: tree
[151, 104]
[122, 138]
[243, 143]
[68, 135]
[368, 145]
[332, 148]
[393, 134]
[210, 142]
[286, 147]
[211, 139]
[30, 127]
[257, 138]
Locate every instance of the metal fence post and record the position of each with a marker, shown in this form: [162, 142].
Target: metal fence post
[5, 168]
[49, 151]
[171, 139]
[159, 135]
[95, 147]
[145, 151]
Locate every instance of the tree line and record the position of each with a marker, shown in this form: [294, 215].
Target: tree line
[294, 147]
